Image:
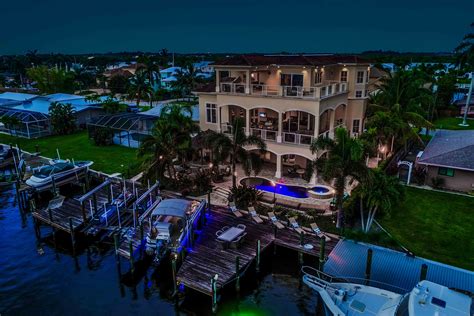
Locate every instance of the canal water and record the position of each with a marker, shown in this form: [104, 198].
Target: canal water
[36, 279]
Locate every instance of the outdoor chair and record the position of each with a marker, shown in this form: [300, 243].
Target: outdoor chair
[241, 226]
[294, 224]
[218, 233]
[275, 220]
[318, 232]
[254, 215]
[241, 239]
[224, 244]
[234, 210]
[225, 228]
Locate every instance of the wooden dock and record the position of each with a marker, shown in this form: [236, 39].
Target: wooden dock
[207, 258]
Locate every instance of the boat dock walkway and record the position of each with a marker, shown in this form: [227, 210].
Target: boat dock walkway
[207, 258]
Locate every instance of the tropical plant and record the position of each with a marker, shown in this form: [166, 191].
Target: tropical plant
[63, 118]
[139, 86]
[437, 182]
[112, 106]
[244, 196]
[118, 84]
[169, 141]
[378, 193]
[103, 136]
[187, 79]
[233, 147]
[344, 158]
[10, 122]
[465, 51]
[52, 80]
[152, 70]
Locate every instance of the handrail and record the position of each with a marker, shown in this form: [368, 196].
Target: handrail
[144, 195]
[96, 189]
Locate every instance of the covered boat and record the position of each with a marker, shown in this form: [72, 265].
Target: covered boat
[42, 177]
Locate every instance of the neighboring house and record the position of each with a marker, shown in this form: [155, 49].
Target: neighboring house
[32, 111]
[168, 76]
[450, 156]
[204, 69]
[287, 100]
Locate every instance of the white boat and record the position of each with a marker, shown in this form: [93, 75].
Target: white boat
[59, 170]
[426, 298]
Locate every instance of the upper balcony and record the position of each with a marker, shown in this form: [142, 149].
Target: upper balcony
[318, 92]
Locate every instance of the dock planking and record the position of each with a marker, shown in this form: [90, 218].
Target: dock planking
[207, 258]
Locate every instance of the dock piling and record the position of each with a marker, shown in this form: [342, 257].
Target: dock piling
[424, 271]
[322, 253]
[73, 242]
[257, 267]
[368, 266]
[214, 293]
[237, 272]
[130, 246]
[174, 257]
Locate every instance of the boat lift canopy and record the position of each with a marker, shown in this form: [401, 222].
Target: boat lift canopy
[172, 207]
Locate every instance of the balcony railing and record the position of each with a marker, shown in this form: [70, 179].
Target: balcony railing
[264, 134]
[318, 92]
[297, 139]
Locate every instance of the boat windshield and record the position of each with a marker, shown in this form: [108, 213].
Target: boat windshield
[47, 171]
[402, 309]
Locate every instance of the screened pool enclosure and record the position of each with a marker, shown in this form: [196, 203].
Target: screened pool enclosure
[25, 123]
[128, 129]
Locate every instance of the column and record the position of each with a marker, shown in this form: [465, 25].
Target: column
[332, 114]
[280, 126]
[316, 125]
[218, 81]
[247, 122]
[218, 119]
[247, 82]
[278, 163]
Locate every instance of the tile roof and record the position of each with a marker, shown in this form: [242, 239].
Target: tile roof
[449, 148]
[289, 60]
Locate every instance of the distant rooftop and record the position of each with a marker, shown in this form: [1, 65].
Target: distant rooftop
[453, 149]
[16, 96]
[289, 60]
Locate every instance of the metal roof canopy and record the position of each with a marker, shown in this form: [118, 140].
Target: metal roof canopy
[172, 207]
[125, 121]
[24, 116]
[394, 269]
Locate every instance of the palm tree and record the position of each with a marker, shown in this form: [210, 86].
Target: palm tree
[187, 79]
[170, 139]
[465, 51]
[234, 147]
[139, 86]
[152, 70]
[378, 192]
[344, 158]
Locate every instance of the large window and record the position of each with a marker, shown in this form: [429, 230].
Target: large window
[358, 94]
[360, 77]
[449, 172]
[318, 77]
[344, 76]
[211, 113]
[355, 126]
[294, 80]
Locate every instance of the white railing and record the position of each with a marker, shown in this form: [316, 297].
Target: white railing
[297, 139]
[264, 134]
[330, 133]
[318, 92]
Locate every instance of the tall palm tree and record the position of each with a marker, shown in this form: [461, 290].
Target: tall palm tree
[152, 70]
[344, 158]
[139, 86]
[233, 147]
[378, 192]
[187, 79]
[465, 51]
[170, 139]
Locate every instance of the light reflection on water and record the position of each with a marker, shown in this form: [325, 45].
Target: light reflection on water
[50, 284]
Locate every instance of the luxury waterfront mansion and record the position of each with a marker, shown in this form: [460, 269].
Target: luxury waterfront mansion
[288, 100]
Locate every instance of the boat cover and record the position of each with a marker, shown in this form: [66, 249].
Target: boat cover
[172, 207]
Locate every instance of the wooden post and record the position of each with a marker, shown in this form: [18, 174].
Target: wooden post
[117, 257]
[174, 257]
[237, 272]
[368, 266]
[94, 201]
[109, 194]
[130, 248]
[322, 253]
[87, 180]
[214, 293]
[424, 271]
[258, 256]
[37, 228]
[73, 242]
[301, 239]
[83, 209]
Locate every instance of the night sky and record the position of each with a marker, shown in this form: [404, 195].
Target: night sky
[232, 26]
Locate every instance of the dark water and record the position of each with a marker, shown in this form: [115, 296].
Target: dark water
[54, 284]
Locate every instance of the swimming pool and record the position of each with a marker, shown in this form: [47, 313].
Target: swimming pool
[294, 191]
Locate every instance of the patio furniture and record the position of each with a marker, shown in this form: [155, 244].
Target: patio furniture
[294, 224]
[218, 233]
[234, 210]
[300, 172]
[254, 215]
[241, 226]
[231, 234]
[224, 244]
[225, 228]
[275, 220]
[318, 232]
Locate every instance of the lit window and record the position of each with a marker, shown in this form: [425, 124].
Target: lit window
[449, 172]
[211, 113]
[360, 77]
[318, 78]
[358, 94]
[344, 76]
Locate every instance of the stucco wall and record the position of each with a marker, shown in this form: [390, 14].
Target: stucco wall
[461, 181]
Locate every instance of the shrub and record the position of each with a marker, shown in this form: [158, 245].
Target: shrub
[245, 196]
[63, 119]
[103, 136]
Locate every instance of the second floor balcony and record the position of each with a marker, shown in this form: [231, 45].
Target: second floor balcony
[318, 92]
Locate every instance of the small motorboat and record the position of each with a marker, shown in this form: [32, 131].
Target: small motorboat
[426, 298]
[60, 170]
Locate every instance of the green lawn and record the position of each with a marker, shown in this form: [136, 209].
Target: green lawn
[108, 159]
[435, 225]
[453, 123]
